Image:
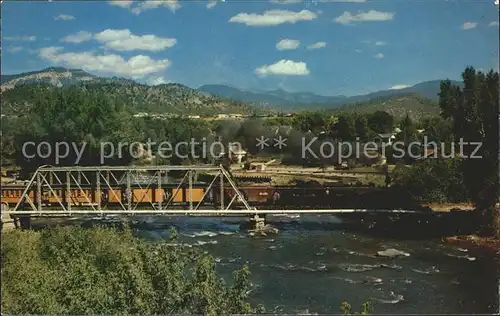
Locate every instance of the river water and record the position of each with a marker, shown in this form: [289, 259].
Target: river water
[311, 268]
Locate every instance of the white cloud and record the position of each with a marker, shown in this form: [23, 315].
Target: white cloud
[284, 68]
[469, 25]
[212, 3]
[380, 43]
[299, 1]
[141, 6]
[157, 80]
[20, 38]
[79, 37]
[124, 40]
[286, 1]
[14, 49]
[399, 86]
[273, 17]
[172, 5]
[359, 51]
[316, 45]
[287, 44]
[136, 67]
[353, 1]
[494, 23]
[64, 17]
[370, 16]
[379, 56]
[122, 3]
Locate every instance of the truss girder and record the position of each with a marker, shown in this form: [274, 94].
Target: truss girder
[89, 190]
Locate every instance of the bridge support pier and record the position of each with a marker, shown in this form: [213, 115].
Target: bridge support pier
[258, 222]
[7, 221]
[24, 222]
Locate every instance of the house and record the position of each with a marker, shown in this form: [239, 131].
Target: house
[236, 152]
[385, 139]
[236, 116]
[238, 155]
[283, 130]
[258, 167]
[370, 157]
[428, 153]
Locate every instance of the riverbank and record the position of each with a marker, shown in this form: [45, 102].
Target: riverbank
[490, 244]
[448, 207]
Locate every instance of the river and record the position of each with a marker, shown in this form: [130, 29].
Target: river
[310, 267]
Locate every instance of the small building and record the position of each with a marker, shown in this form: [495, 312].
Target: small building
[236, 116]
[284, 130]
[258, 166]
[194, 116]
[237, 154]
[385, 139]
[428, 153]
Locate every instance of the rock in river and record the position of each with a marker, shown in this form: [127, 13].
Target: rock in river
[392, 253]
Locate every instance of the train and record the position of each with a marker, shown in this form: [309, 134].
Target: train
[118, 195]
[115, 195]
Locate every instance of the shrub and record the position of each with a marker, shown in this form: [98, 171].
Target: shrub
[433, 180]
[106, 271]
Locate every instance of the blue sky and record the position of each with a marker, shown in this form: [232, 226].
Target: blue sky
[328, 47]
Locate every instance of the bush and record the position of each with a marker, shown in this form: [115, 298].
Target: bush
[433, 180]
[106, 271]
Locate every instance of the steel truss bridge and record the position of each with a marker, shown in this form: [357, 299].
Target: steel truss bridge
[51, 180]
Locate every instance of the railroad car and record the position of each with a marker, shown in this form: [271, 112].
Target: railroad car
[88, 195]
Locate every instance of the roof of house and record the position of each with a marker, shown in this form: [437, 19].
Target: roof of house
[427, 153]
[386, 135]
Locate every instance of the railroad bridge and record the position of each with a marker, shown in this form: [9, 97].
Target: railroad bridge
[152, 190]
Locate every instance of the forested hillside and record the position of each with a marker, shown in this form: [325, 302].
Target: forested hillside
[413, 105]
[166, 98]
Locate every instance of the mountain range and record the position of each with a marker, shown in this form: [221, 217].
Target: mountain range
[223, 98]
[285, 99]
[19, 92]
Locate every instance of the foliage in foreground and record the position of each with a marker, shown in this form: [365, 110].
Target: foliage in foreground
[433, 180]
[346, 309]
[105, 271]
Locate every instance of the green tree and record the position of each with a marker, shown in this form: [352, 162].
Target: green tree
[345, 128]
[432, 180]
[473, 111]
[309, 121]
[381, 122]
[407, 135]
[437, 129]
[106, 271]
[361, 126]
